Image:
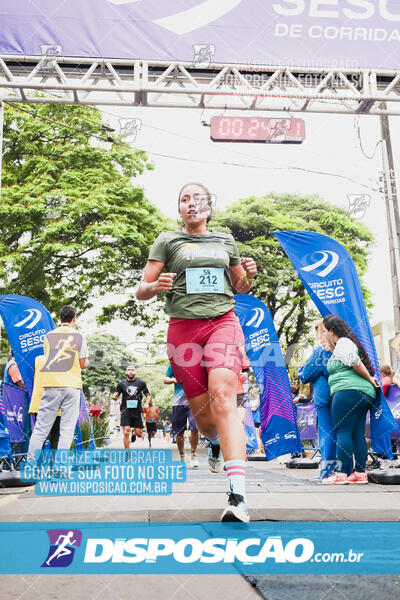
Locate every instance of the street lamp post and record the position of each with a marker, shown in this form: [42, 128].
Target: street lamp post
[392, 215]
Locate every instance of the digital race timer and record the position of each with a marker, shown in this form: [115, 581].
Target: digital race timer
[257, 129]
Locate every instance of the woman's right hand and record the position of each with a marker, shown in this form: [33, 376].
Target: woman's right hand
[165, 282]
[375, 382]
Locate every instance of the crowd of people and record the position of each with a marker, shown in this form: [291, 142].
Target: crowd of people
[199, 270]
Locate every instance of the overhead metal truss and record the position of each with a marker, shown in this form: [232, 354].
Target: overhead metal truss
[42, 79]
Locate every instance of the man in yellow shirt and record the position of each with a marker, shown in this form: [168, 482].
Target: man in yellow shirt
[37, 393]
[66, 355]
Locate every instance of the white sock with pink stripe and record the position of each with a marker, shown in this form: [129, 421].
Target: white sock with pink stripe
[236, 471]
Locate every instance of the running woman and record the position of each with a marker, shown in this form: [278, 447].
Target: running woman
[200, 270]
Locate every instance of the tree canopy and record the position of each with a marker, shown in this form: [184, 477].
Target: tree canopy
[252, 222]
[72, 224]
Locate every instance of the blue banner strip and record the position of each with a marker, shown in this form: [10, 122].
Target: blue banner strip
[201, 548]
[279, 431]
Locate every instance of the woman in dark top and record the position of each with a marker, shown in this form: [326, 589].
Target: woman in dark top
[315, 372]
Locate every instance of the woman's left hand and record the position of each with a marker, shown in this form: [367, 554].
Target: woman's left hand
[375, 382]
[249, 265]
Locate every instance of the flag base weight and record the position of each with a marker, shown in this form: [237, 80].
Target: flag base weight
[302, 463]
[387, 477]
[10, 479]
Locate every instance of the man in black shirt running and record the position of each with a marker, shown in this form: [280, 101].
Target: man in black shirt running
[132, 390]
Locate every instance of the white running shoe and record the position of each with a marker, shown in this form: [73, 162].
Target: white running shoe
[193, 463]
[256, 452]
[386, 464]
[215, 459]
[236, 509]
[335, 479]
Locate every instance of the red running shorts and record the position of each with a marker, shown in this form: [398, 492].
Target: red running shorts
[195, 346]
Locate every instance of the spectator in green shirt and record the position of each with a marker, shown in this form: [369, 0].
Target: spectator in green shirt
[353, 388]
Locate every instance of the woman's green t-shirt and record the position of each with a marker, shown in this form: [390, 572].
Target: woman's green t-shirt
[342, 375]
[205, 290]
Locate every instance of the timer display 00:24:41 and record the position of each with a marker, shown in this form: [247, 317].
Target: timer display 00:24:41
[257, 129]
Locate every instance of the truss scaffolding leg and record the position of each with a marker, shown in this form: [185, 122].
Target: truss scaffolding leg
[392, 214]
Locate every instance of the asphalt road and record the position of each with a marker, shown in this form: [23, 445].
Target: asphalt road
[327, 587]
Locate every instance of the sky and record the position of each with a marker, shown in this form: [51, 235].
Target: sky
[329, 162]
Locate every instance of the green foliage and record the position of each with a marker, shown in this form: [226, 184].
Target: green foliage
[85, 432]
[4, 350]
[72, 224]
[101, 431]
[252, 222]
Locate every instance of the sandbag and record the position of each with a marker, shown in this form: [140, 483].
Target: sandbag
[386, 477]
[302, 463]
[9, 479]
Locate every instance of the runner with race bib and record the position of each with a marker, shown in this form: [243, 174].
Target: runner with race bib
[132, 390]
[151, 412]
[200, 270]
